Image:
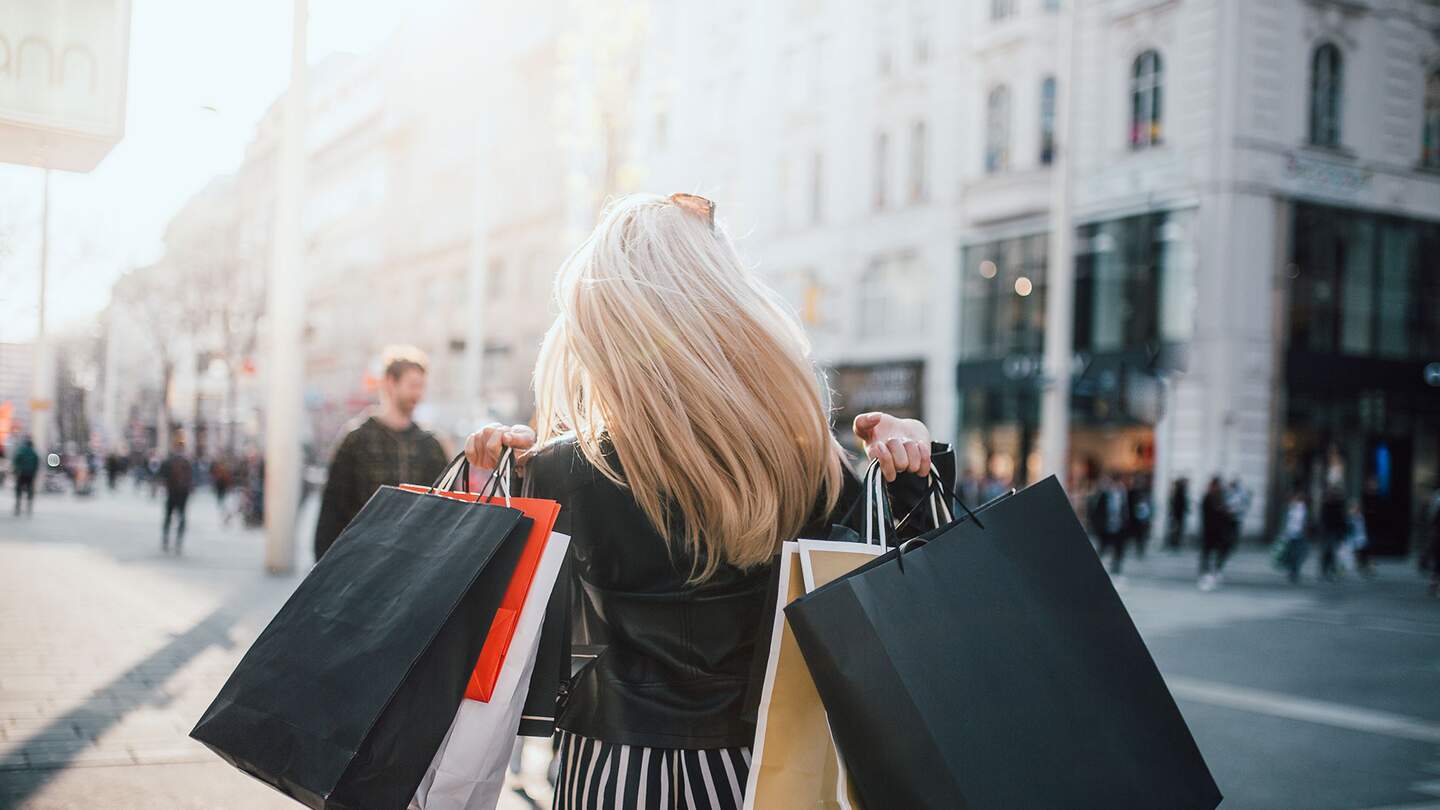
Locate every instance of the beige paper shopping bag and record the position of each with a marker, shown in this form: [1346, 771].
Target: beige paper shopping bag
[793, 764]
[821, 562]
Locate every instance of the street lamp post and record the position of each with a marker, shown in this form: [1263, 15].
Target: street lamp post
[284, 311]
[41, 391]
[1060, 271]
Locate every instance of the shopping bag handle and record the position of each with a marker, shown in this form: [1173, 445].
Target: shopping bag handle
[878, 517]
[458, 471]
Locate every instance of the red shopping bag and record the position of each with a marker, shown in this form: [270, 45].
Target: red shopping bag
[542, 514]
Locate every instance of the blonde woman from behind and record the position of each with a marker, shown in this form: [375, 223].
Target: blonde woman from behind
[684, 429]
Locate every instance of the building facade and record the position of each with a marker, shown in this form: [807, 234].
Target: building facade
[1254, 202]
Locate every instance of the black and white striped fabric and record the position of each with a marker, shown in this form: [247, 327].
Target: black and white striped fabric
[597, 775]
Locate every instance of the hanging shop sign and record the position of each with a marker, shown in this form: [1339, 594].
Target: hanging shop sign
[63, 69]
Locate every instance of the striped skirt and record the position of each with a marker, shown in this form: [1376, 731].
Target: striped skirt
[597, 775]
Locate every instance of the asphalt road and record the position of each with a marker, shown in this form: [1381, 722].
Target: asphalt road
[1301, 698]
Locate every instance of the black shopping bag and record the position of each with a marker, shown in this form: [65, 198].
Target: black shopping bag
[990, 664]
[344, 698]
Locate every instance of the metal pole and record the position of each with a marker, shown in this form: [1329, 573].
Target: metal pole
[40, 388]
[284, 311]
[472, 400]
[1060, 270]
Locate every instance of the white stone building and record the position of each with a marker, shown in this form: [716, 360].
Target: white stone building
[897, 158]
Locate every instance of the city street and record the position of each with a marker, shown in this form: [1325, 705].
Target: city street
[1317, 696]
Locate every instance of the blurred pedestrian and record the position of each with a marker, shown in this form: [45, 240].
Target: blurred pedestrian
[386, 447]
[1293, 545]
[1237, 502]
[26, 466]
[1430, 559]
[1110, 520]
[1334, 523]
[1216, 535]
[178, 475]
[220, 481]
[1357, 540]
[1374, 524]
[1179, 512]
[1141, 512]
[114, 468]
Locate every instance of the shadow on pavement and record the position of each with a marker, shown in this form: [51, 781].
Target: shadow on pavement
[110, 703]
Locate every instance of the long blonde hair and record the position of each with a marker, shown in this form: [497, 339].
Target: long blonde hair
[670, 350]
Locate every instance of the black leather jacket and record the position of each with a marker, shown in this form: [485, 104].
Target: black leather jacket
[672, 663]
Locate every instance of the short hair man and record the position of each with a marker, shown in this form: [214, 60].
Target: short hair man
[386, 447]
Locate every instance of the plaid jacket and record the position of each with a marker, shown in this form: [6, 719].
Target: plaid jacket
[369, 457]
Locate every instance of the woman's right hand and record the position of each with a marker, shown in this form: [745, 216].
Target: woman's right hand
[485, 446]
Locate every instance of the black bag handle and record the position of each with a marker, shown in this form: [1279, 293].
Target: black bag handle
[936, 497]
[458, 472]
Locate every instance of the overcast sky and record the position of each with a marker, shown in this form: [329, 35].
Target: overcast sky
[185, 56]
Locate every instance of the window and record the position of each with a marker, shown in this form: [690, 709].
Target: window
[882, 157]
[917, 162]
[817, 188]
[997, 130]
[997, 320]
[1146, 100]
[876, 291]
[1133, 282]
[1326, 78]
[1361, 285]
[1430, 140]
[1052, 5]
[1001, 9]
[892, 296]
[1047, 121]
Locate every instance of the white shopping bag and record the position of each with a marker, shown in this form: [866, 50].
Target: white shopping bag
[468, 771]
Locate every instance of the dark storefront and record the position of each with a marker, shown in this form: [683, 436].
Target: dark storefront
[1133, 286]
[895, 387]
[1362, 402]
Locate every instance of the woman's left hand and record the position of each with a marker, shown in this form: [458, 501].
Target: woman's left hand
[900, 445]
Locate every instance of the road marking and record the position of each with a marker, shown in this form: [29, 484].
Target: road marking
[1323, 712]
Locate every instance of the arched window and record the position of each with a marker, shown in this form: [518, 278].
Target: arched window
[1430, 140]
[1327, 74]
[997, 130]
[1147, 84]
[1047, 121]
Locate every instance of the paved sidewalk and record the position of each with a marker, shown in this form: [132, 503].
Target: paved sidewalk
[110, 650]
[1320, 695]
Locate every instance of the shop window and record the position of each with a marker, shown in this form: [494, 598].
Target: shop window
[1001, 10]
[1047, 121]
[1326, 83]
[1430, 138]
[1003, 298]
[1359, 285]
[1133, 282]
[1147, 83]
[997, 130]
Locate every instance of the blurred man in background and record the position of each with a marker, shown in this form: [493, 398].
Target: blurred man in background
[386, 447]
[178, 475]
[26, 465]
